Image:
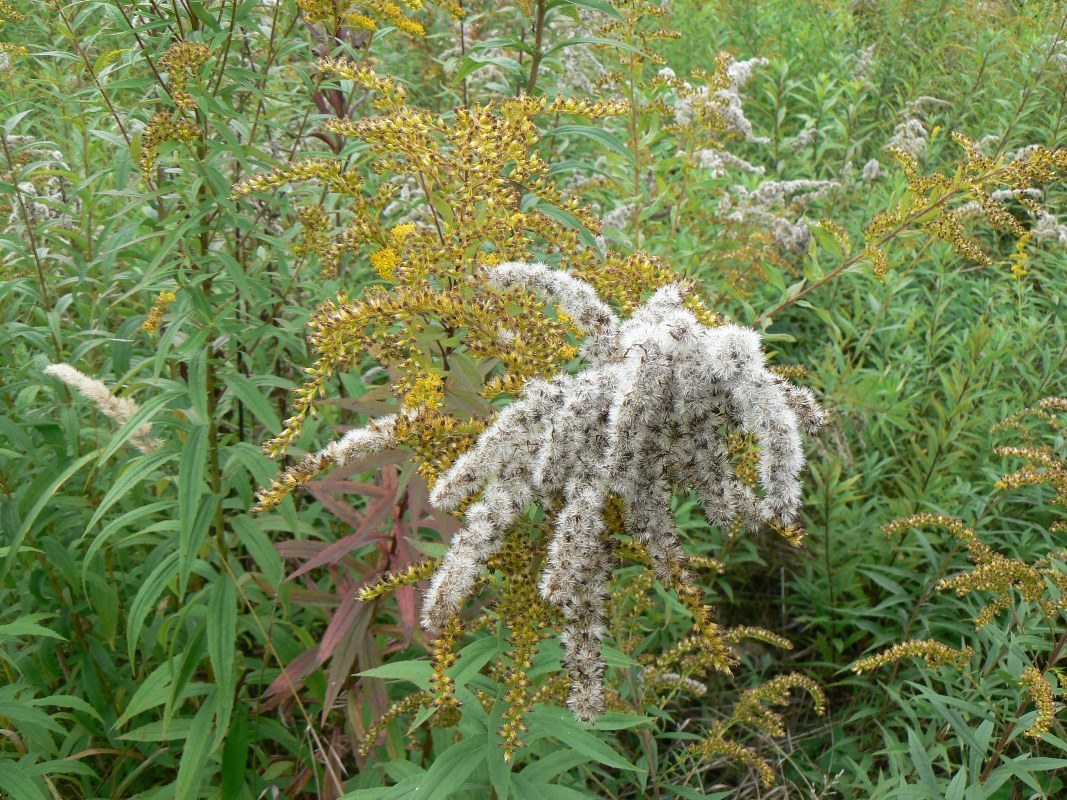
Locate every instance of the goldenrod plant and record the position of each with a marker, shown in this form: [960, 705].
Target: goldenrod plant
[407, 399]
[1031, 592]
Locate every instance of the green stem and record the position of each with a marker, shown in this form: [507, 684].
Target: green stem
[539, 35]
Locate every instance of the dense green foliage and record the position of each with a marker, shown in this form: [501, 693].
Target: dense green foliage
[159, 640]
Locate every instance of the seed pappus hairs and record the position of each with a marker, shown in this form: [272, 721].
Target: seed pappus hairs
[119, 410]
[647, 413]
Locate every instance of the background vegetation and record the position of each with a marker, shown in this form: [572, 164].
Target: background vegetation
[158, 640]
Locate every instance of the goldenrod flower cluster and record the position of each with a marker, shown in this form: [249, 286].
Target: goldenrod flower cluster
[181, 60]
[159, 308]
[456, 329]
[362, 14]
[1041, 693]
[934, 653]
[9, 12]
[752, 710]
[1041, 583]
[715, 744]
[164, 126]
[939, 203]
[475, 168]
[392, 581]
[992, 571]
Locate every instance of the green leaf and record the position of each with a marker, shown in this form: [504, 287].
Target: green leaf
[416, 672]
[602, 137]
[46, 497]
[562, 725]
[191, 527]
[259, 546]
[160, 731]
[528, 790]
[27, 626]
[146, 598]
[472, 658]
[194, 756]
[920, 759]
[249, 394]
[151, 693]
[133, 472]
[464, 385]
[17, 784]
[499, 770]
[222, 645]
[617, 721]
[472, 63]
[957, 786]
[450, 770]
[604, 6]
[594, 40]
[235, 757]
[550, 766]
[615, 658]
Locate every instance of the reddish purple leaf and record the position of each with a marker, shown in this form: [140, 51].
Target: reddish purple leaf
[366, 533]
[292, 677]
[342, 622]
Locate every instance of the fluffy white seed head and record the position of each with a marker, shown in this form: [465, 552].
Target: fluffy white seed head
[652, 412]
[576, 298]
[119, 410]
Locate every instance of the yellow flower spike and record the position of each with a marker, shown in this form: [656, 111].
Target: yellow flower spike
[9, 12]
[181, 60]
[360, 22]
[385, 262]
[934, 653]
[1020, 258]
[164, 127]
[155, 316]
[401, 232]
[1041, 693]
[428, 391]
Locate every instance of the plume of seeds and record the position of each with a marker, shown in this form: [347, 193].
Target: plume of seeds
[649, 413]
[119, 410]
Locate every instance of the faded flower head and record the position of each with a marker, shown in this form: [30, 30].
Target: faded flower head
[648, 413]
[119, 410]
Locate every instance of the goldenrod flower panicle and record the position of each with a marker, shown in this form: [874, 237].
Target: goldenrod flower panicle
[1054, 404]
[408, 705]
[672, 681]
[1041, 693]
[715, 745]
[329, 173]
[155, 316]
[358, 443]
[934, 653]
[574, 297]
[394, 580]
[164, 127]
[954, 526]
[9, 12]
[443, 655]
[181, 60]
[119, 410]
[743, 632]
[751, 708]
[391, 90]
